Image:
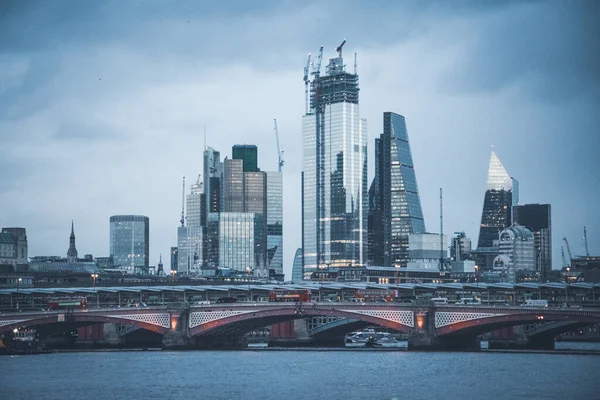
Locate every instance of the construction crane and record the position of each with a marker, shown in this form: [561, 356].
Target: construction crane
[339, 48]
[182, 220]
[568, 250]
[280, 161]
[441, 224]
[306, 84]
[317, 65]
[585, 244]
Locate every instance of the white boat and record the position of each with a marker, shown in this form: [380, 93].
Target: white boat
[371, 338]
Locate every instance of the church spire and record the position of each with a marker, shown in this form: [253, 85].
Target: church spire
[72, 252]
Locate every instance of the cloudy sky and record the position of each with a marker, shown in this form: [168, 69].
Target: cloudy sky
[103, 105]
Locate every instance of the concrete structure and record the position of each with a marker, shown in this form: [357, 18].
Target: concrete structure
[130, 242]
[538, 219]
[13, 246]
[334, 180]
[394, 203]
[424, 250]
[516, 252]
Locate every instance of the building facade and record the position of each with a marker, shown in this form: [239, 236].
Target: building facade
[538, 219]
[460, 247]
[248, 153]
[13, 246]
[275, 222]
[425, 250]
[237, 241]
[130, 242]
[297, 274]
[516, 252]
[334, 183]
[394, 204]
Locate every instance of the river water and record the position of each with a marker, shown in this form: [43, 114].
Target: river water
[299, 375]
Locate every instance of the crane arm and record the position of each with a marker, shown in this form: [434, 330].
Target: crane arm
[568, 250]
[280, 160]
[317, 70]
[306, 69]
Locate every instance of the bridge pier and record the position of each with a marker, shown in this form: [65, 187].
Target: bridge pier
[542, 343]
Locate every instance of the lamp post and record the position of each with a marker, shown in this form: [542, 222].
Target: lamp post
[94, 276]
[477, 278]
[397, 279]
[567, 278]
[18, 284]
[173, 272]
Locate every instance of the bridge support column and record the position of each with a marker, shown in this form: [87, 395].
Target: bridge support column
[542, 343]
[178, 338]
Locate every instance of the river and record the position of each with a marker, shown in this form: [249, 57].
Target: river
[299, 375]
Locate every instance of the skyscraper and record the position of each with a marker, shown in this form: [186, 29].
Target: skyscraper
[394, 202]
[233, 185]
[334, 183]
[537, 218]
[248, 153]
[190, 236]
[502, 192]
[275, 222]
[130, 242]
[516, 252]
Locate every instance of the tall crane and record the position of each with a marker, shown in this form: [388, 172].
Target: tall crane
[564, 260]
[280, 160]
[339, 48]
[568, 250]
[182, 220]
[306, 81]
[585, 244]
[317, 65]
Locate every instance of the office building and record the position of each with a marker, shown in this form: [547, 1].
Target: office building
[213, 172]
[237, 242]
[516, 252]
[334, 182]
[425, 251]
[13, 246]
[297, 274]
[248, 153]
[394, 203]
[173, 265]
[130, 242]
[233, 186]
[538, 219]
[190, 235]
[275, 222]
[460, 247]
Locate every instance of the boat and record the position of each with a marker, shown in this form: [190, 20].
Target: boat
[23, 341]
[371, 338]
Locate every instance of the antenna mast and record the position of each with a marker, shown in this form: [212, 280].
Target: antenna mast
[441, 232]
[182, 220]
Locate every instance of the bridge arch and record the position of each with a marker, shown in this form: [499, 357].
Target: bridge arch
[240, 320]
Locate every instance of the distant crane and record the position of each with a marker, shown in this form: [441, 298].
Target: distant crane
[280, 161]
[306, 81]
[568, 250]
[585, 243]
[441, 224]
[339, 48]
[317, 65]
[182, 220]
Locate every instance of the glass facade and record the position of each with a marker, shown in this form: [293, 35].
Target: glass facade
[249, 154]
[194, 204]
[516, 252]
[538, 219]
[237, 241]
[233, 186]
[394, 203]
[130, 242]
[297, 275]
[190, 249]
[213, 171]
[334, 183]
[275, 221]
[500, 195]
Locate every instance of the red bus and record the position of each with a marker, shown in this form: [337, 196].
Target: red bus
[67, 302]
[376, 294]
[290, 295]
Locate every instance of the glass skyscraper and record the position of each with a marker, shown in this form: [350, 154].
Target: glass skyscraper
[394, 203]
[237, 247]
[275, 221]
[538, 219]
[130, 242]
[249, 154]
[334, 183]
[502, 192]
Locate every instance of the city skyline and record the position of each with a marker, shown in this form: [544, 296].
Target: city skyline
[101, 120]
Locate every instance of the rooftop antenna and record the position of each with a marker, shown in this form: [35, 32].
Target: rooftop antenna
[441, 232]
[339, 48]
[355, 70]
[585, 242]
[182, 220]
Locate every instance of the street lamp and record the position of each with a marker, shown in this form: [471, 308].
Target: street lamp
[18, 283]
[173, 272]
[477, 278]
[567, 278]
[397, 279]
[94, 276]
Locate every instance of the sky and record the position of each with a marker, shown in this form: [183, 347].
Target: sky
[103, 105]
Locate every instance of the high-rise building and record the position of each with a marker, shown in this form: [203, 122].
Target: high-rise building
[297, 275]
[130, 242]
[195, 207]
[249, 154]
[173, 265]
[425, 250]
[460, 248]
[190, 236]
[237, 241]
[213, 171]
[334, 181]
[537, 218]
[516, 252]
[275, 222]
[233, 185]
[395, 206]
[72, 252]
[502, 192]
